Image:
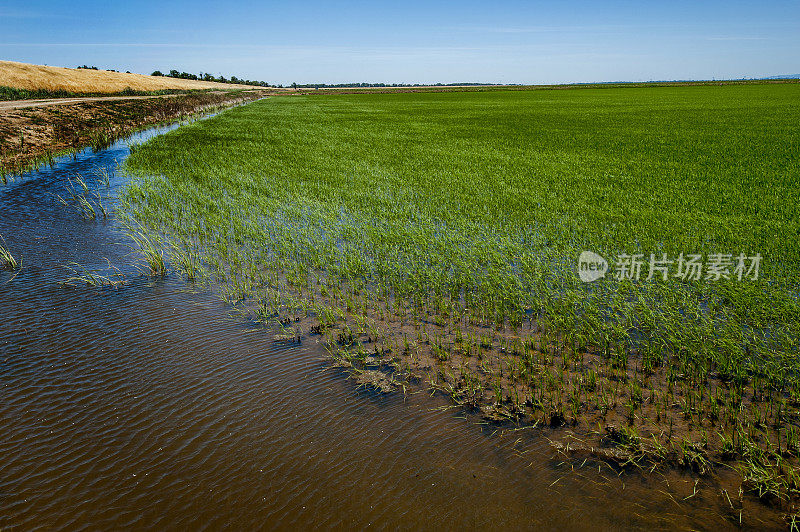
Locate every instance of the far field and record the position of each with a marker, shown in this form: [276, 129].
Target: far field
[435, 237]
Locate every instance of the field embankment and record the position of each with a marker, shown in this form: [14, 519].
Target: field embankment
[33, 134]
[563, 86]
[434, 239]
[79, 80]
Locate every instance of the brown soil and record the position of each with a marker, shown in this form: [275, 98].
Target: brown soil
[631, 414]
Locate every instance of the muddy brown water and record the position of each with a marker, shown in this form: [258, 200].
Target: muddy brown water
[149, 407]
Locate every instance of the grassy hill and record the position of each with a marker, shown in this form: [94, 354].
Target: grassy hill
[39, 77]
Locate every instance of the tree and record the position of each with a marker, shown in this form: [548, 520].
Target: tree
[157, 73]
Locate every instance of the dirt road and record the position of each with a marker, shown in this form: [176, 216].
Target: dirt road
[22, 104]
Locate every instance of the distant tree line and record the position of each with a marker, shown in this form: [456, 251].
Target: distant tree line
[84, 67]
[233, 79]
[209, 77]
[378, 85]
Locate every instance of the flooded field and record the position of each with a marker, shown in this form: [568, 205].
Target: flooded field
[148, 406]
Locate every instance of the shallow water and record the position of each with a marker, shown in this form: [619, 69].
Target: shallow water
[148, 406]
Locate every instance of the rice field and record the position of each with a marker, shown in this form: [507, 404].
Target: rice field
[433, 239]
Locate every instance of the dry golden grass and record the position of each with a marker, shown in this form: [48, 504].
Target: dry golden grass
[31, 77]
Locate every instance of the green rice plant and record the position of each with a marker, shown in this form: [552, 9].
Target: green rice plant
[186, 261]
[149, 251]
[89, 204]
[85, 207]
[7, 260]
[768, 476]
[104, 176]
[693, 456]
[93, 277]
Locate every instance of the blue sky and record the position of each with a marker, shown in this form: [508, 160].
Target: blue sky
[412, 41]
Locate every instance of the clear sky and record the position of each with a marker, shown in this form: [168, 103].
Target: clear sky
[412, 41]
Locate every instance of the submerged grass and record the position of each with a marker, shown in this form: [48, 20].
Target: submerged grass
[149, 251]
[7, 260]
[111, 276]
[439, 234]
[88, 204]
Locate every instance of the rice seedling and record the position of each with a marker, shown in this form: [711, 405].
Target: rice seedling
[88, 204]
[94, 277]
[7, 260]
[186, 261]
[150, 253]
[104, 176]
[449, 227]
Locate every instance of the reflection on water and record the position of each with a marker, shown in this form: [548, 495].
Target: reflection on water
[146, 406]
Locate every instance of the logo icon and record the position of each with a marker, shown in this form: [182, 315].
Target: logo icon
[591, 266]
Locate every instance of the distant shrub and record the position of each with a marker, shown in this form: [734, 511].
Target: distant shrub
[10, 93]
